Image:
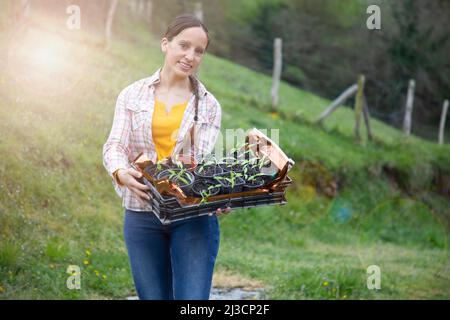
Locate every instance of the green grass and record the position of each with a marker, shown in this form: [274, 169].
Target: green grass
[58, 207]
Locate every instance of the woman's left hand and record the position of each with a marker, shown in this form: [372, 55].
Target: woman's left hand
[220, 211]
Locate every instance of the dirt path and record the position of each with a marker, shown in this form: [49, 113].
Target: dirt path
[231, 286]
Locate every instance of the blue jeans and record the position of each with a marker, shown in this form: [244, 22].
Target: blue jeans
[174, 261]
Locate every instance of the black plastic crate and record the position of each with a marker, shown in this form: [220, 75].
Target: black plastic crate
[168, 209]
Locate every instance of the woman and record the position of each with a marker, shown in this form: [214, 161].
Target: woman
[159, 116]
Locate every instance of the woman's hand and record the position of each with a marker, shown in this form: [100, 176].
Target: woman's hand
[221, 212]
[128, 178]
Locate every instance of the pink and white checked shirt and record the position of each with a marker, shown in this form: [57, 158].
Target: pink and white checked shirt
[131, 132]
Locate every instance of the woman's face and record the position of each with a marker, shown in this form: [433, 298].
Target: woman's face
[185, 51]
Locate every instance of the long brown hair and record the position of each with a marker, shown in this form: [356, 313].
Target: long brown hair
[177, 25]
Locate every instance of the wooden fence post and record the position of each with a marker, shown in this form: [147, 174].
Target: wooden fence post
[198, 11]
[442, 123]
[366, 115]
[409, 108]
[359, 106]
[337, 102]
[133, 6]
[276, 72]
[149, 11]
[140, 7]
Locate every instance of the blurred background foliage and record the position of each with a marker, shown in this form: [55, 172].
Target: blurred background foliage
[326, 44]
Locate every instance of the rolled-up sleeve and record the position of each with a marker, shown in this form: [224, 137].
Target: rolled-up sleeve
[115, 150]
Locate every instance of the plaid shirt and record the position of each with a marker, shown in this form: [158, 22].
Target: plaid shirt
[131, 132]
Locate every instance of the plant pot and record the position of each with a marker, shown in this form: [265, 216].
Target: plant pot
[238, 168]
[255, 183]
[226, 186]
[272, 170]
[268, 177]
[207, 171]
[250, 170]
[226, 167]
[203, 184]
[153, 170]
[187, 188]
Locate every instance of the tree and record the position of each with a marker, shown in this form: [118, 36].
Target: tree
[109, 22]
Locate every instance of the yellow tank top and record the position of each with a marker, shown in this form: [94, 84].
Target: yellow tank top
[165, 127]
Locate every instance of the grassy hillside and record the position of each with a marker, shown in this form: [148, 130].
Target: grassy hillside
[58, 207]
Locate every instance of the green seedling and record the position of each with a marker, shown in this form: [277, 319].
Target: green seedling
[231, 179]
[178, 175]
[253, 177]
[207, 193]
[212, 161]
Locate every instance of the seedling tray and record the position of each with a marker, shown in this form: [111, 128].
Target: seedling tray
[170, 204]
[169, 209]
